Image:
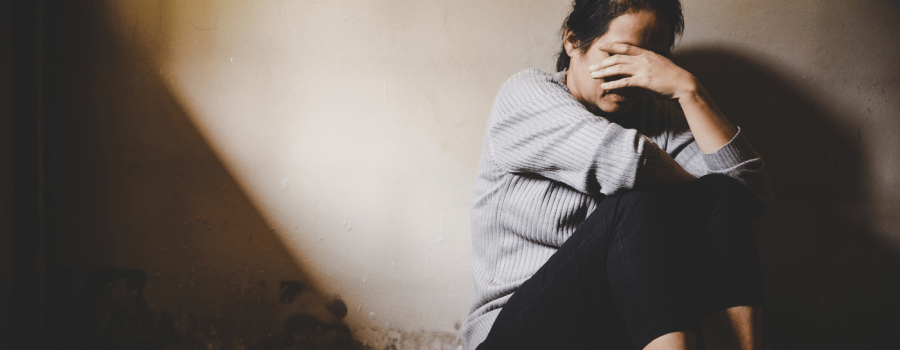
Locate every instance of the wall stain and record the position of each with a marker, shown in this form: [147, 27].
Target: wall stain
[337, 307]
[290, 290]
[110, 312]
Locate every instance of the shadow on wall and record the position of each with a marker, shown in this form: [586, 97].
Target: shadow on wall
[152, 244]
[828, 282]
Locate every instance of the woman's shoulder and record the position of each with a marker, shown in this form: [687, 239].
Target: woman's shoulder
[532, 83]
[536, 78]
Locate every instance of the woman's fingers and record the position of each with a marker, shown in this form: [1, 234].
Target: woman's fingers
[618, 69]
[633, 66]
[629, 75]
[618, 84]
[612, 60]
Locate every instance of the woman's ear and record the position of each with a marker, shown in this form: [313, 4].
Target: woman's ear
[570, 43]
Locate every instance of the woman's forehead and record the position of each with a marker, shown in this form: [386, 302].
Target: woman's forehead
[642, 28]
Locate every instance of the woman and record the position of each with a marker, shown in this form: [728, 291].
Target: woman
[614, 201]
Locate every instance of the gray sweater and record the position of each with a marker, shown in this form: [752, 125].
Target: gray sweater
[547, 160]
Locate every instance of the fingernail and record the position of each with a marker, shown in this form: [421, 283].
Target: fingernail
[592, 67]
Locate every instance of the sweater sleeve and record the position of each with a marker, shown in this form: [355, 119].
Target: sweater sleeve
[537, 127]
[736, 159]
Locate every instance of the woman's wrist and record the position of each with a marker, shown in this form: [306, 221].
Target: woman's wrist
[690, 90]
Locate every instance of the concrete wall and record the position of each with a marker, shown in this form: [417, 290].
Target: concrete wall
[231, 174]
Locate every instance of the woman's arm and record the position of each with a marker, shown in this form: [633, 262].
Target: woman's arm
[537, 127]
[710, 127]
[713, 144]
[649, 70]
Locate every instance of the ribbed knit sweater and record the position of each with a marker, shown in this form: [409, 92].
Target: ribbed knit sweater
[546, 162]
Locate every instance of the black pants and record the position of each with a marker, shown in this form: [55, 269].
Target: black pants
[641, 265]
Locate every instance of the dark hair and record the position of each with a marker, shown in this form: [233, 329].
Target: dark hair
[590, 19]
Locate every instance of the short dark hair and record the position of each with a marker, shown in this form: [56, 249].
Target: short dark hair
[590, 19]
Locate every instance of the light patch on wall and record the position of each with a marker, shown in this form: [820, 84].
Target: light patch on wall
[355, 127]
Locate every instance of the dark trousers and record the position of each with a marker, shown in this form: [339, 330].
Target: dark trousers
[642, 265]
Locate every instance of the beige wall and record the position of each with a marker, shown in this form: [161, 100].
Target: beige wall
[354, 128]
[348, 133]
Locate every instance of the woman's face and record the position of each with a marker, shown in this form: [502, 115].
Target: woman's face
[643, 29]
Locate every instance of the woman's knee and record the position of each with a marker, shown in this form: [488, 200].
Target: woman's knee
[718, 191]
[643, 211]
[722, 185]
[627, 206]
[641, 203]
[719, 206]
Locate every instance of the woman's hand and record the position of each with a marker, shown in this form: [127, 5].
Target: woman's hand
[643, 69]
[648, 70]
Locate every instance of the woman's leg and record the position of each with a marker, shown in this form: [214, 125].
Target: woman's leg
[737, 327]
[716, 210]
[617, 263]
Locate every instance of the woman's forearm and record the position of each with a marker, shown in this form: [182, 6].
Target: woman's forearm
[710, 127]
[651, 71]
